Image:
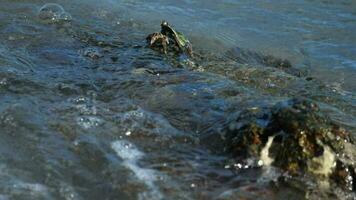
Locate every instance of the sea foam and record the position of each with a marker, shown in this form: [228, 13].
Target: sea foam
[131, 155]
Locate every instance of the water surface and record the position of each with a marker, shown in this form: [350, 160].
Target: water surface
[89, 112]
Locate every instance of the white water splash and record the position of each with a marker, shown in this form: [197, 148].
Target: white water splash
[67, 192]
[264, 156]
[88, 122]
[33, 188]
[88, 112]
[140, 120]
[131, 155]
[323, 164]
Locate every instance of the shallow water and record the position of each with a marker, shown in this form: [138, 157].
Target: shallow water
[89, 112]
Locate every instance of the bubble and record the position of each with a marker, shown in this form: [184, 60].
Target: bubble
[3, 82]
[92, 53]
[260, 163]
[88, 122]
[52, 12]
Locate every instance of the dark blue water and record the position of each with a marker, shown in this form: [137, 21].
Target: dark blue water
[88, 111]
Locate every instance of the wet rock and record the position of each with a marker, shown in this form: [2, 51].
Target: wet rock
[276, 62]
[244, 56]
[296, 137]
[90, 154]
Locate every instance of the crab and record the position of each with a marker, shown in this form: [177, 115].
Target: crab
[168, 37]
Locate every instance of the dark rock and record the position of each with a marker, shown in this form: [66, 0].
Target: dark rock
[114, 58]
[304, 141]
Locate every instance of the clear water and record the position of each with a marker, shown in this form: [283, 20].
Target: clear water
[89, 112]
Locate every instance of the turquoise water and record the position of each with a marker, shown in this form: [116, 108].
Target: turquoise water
[88, 111]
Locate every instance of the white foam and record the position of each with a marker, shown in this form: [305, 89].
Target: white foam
[131, 155]
[139, 119]
[323, 164]
[86, 109]
[265, 159]
[67, 192]
[127, 151]
[88, 122]
[33, 187]
[34, 190]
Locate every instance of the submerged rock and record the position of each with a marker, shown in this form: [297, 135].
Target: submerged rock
[244, 56]
[296, 137]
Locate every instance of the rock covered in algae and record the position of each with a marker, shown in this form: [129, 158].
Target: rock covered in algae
[296, 137]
